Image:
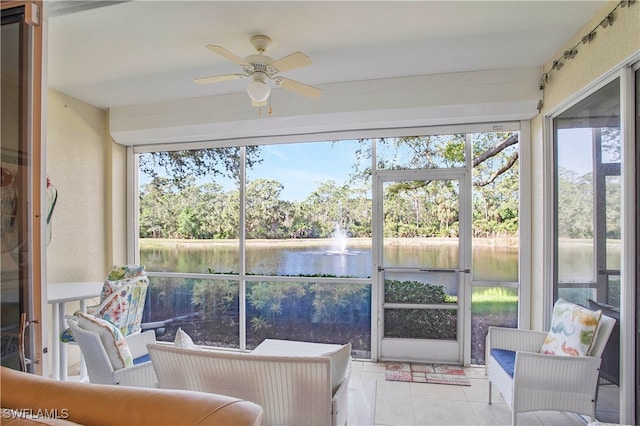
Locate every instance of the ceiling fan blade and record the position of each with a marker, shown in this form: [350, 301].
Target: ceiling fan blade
[227, 54]
[296, 86]
[290, 62]
[217, 78]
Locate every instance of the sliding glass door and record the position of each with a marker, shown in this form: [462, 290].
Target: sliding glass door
[596, 203]
[17, 203]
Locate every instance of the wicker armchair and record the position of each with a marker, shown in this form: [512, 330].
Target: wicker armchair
[122, 300]
[99, 365]
[543, 382]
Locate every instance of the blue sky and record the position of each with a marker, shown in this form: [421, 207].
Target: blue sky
[300, 167]
[574, 150]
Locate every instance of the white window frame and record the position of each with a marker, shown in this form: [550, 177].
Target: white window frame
[525, 162]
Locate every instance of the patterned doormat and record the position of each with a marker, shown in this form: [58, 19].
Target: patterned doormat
[426, 373]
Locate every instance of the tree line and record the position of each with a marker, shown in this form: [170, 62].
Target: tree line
[208, 211]
[178, 207]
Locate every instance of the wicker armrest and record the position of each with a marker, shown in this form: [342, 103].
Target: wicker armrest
[340, 401]
[558, 383]
[542, 366]
[514, 339]
[138, 342]
[141, 375]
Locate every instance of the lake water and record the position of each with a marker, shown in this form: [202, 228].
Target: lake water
[309, 257]
[492, 263]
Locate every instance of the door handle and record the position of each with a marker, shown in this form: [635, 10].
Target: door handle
[24, 361]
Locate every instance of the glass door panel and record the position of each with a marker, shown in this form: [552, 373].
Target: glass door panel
[588, 211]
[16, 206]
[421, 316]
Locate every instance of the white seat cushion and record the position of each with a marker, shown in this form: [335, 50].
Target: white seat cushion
[112, 339]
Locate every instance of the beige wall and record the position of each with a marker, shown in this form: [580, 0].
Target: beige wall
[117, 203]
[610, 46]
[76, 165]
[89, 171]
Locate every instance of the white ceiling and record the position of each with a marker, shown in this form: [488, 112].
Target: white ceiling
[139, 52]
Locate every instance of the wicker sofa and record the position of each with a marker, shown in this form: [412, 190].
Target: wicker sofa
[293, 390]
[28, 399]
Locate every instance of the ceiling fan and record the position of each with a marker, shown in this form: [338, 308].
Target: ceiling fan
[262, 68]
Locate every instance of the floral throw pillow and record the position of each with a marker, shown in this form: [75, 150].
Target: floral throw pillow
[112, 339]
[572, 330]
[109, 287]
[125, 271]
[123, 303]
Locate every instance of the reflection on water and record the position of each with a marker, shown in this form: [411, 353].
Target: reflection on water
[319, 257]
[575, 261]
[311, 257]
[495, 263]
[357, 263]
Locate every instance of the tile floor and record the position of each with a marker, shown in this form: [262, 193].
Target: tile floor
[400, 403]
[417, 404]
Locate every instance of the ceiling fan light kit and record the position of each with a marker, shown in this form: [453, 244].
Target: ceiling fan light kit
[262, 68]
[258, 90]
